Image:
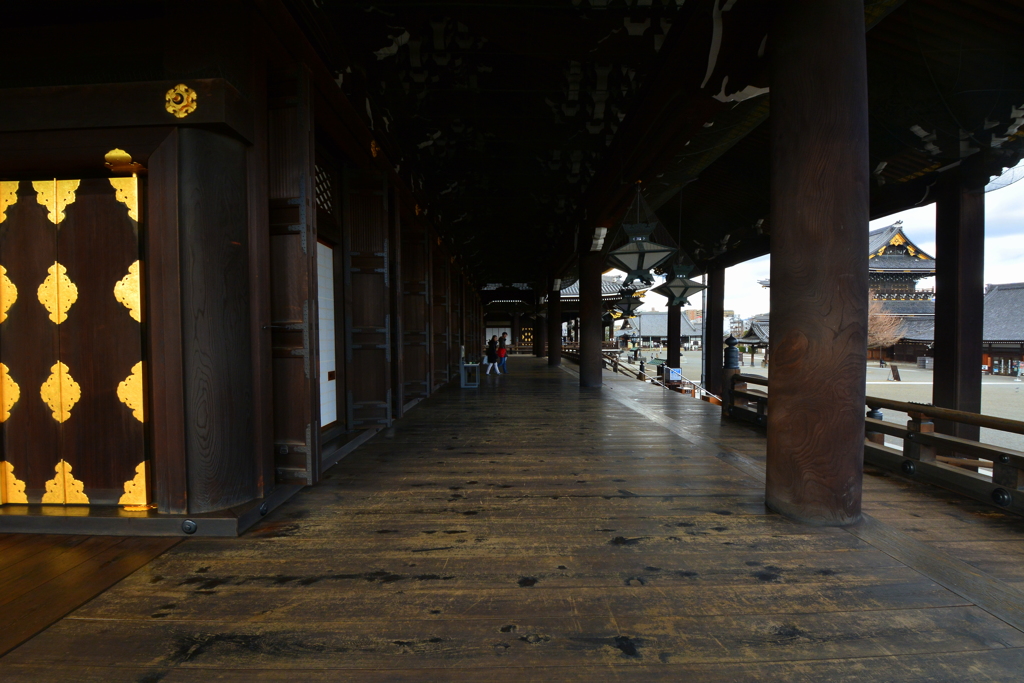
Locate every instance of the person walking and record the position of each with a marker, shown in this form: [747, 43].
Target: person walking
[492, 355]
[503, 352]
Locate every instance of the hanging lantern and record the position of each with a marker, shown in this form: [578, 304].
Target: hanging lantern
[628, 303]
[677, 288]
[637, 256]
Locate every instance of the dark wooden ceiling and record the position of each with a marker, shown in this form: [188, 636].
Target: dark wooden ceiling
[526, 123]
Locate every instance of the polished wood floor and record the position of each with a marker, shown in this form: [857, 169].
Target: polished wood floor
[44, 577]
[532, 531]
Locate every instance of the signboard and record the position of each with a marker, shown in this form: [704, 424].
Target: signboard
[675, 375]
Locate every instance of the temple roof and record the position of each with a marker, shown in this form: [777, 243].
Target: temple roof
[890, 250]
[909, 308]
[758, 332]
[1004, 306]
[1003, 320]
[610, 286]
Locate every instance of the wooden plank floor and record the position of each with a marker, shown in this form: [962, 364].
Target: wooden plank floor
[532, 531]
[43, 578]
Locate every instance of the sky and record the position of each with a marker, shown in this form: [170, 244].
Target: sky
[1004, 252]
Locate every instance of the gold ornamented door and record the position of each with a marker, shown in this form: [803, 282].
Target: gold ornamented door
[71, 369]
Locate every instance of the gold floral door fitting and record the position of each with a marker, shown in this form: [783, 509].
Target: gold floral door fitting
[128, 292]
[56, 196]
[58, 293]
[129, 392]
[8, 292]
[64, 488]
[127, 192]
[8, 197]
[136, 492]
[60, 392]
[12, 490]
[10, 392]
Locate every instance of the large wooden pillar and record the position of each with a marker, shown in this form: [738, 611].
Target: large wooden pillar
[959, 298]
[540, 331]
[713, 347]
[675, 324]
[590, 331]
[819, 221]
[212, 232]
[554, 326]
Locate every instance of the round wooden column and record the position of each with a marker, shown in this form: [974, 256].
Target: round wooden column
[675, 324]
[554, 327]
[819, 293]
[960, 298]
[713, 316]
[540, 332]
[591, 327]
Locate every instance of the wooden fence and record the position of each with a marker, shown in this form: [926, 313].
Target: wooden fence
[984, 472]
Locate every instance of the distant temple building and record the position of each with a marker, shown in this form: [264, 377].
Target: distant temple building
[895, 266]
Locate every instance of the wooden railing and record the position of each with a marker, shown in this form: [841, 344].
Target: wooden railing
[933, 458]
[611, 361]
[744, 403]
[985, 472]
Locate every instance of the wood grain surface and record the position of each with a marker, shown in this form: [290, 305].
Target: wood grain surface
[42, 578]
[213, 224]
[529, 530]
[819, 221]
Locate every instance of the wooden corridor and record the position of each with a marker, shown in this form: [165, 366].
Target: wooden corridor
[534, 531]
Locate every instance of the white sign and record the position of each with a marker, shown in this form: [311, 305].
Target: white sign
[675, 374]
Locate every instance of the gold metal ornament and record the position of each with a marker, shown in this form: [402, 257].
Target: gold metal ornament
[135, 490]
[129, 392]
[127, 292]
[120, 161]
[58, 293]
[8, 197]
[64, 488]
[127, 192]
[374, 148]
[56, 196]
[8, 294]
[11, 488]
[10, 392]
[180, 101]
[60, 392]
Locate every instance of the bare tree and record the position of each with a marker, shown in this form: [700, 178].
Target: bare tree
[884, 330]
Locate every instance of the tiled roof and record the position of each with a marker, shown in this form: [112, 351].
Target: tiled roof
[878, 239]
[610, 287]
[919, 329]
[1004, 312]
[913, 307]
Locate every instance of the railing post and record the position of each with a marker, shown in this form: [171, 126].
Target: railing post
[1004, 474]
[875, 437]
[919, 423]
[730, 368]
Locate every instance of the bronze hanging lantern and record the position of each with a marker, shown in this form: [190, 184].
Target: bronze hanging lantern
[677, 288]
[639, 255]
[628, 303]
